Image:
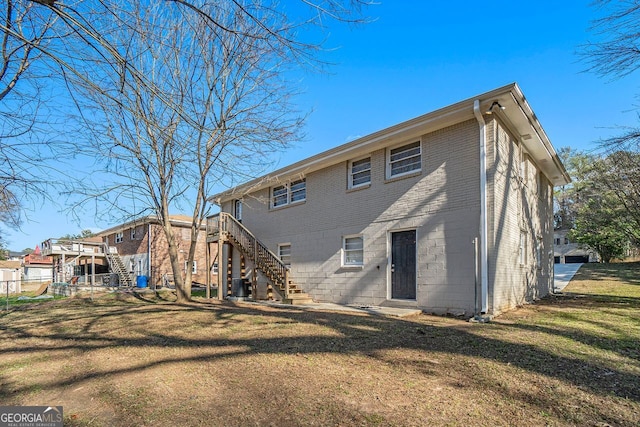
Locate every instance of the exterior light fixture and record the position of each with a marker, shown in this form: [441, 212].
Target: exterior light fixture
[495, 104]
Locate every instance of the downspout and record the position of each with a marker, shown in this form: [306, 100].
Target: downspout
[484, 277]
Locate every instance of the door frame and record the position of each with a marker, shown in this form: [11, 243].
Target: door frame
[389, 254]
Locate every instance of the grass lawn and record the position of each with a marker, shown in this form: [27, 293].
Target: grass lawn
[571, 359]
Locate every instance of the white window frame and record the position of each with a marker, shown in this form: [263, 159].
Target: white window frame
[288, 192]
[194, 267]
[522, 249]
[286, 257]
[237, 209]
[391, 162]
[358, 172]
[133, 233]
[346, 251]
[119, 237]
[283, 194]
[293, 190]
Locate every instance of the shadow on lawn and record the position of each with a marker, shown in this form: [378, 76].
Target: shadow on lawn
[357, 334]
[627, 272]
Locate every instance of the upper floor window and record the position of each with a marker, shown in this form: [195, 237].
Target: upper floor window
[352, 251]
[119, 237]
[133, 233]
[403, 160]
[237, 210]
[359, 172]
[293, 192]
[298, 190]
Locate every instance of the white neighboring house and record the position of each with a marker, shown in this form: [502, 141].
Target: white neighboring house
[10, 276]
[567, 252]
[391, 218]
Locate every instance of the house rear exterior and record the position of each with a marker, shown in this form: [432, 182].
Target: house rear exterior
[450, 212]
[144, 250]
[128, 252]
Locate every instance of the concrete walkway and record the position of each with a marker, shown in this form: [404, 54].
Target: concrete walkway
[563, 273]
[376, 310]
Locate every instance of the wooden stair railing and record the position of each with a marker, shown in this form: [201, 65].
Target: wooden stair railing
[265, 260]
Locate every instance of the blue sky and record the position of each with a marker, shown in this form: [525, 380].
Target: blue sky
[418, 56]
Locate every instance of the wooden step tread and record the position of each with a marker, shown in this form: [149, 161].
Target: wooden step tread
[298, 299]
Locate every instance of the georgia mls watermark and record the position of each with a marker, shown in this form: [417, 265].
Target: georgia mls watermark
[30, 416]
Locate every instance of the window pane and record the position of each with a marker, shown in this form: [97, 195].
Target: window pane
[298, 190]
[353, 243]
[279, 195]
[361, 165]
[361, 178]
[361, 172]
[405, 159]
[284, 252]
[353, 251]
[405, 151]
[406, 165]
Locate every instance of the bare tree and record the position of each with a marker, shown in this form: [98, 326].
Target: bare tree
[25, 29]
[616, 53]
[198, 95]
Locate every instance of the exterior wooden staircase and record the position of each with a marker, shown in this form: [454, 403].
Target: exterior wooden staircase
[231, 230]
[117, 266]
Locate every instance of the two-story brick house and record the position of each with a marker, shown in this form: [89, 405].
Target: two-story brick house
[143, 248]
[450, 212]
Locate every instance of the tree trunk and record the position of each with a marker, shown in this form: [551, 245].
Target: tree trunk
[182, 283]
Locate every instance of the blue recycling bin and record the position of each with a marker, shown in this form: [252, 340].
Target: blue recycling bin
[141, 281]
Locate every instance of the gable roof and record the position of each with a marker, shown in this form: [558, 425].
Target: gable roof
[517, 114]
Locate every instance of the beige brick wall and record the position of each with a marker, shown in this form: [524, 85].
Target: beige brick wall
[441, 203]
[516, 205]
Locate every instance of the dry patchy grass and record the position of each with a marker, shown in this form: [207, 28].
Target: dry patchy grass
[572, 359]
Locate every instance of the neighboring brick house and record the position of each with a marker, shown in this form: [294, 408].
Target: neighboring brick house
[143, 247]
[415, 214]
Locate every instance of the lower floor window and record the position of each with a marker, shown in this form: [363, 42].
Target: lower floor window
[352, 251]
[284, 252]
[194, 269]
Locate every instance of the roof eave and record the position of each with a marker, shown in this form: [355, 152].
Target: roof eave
[516, 106]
